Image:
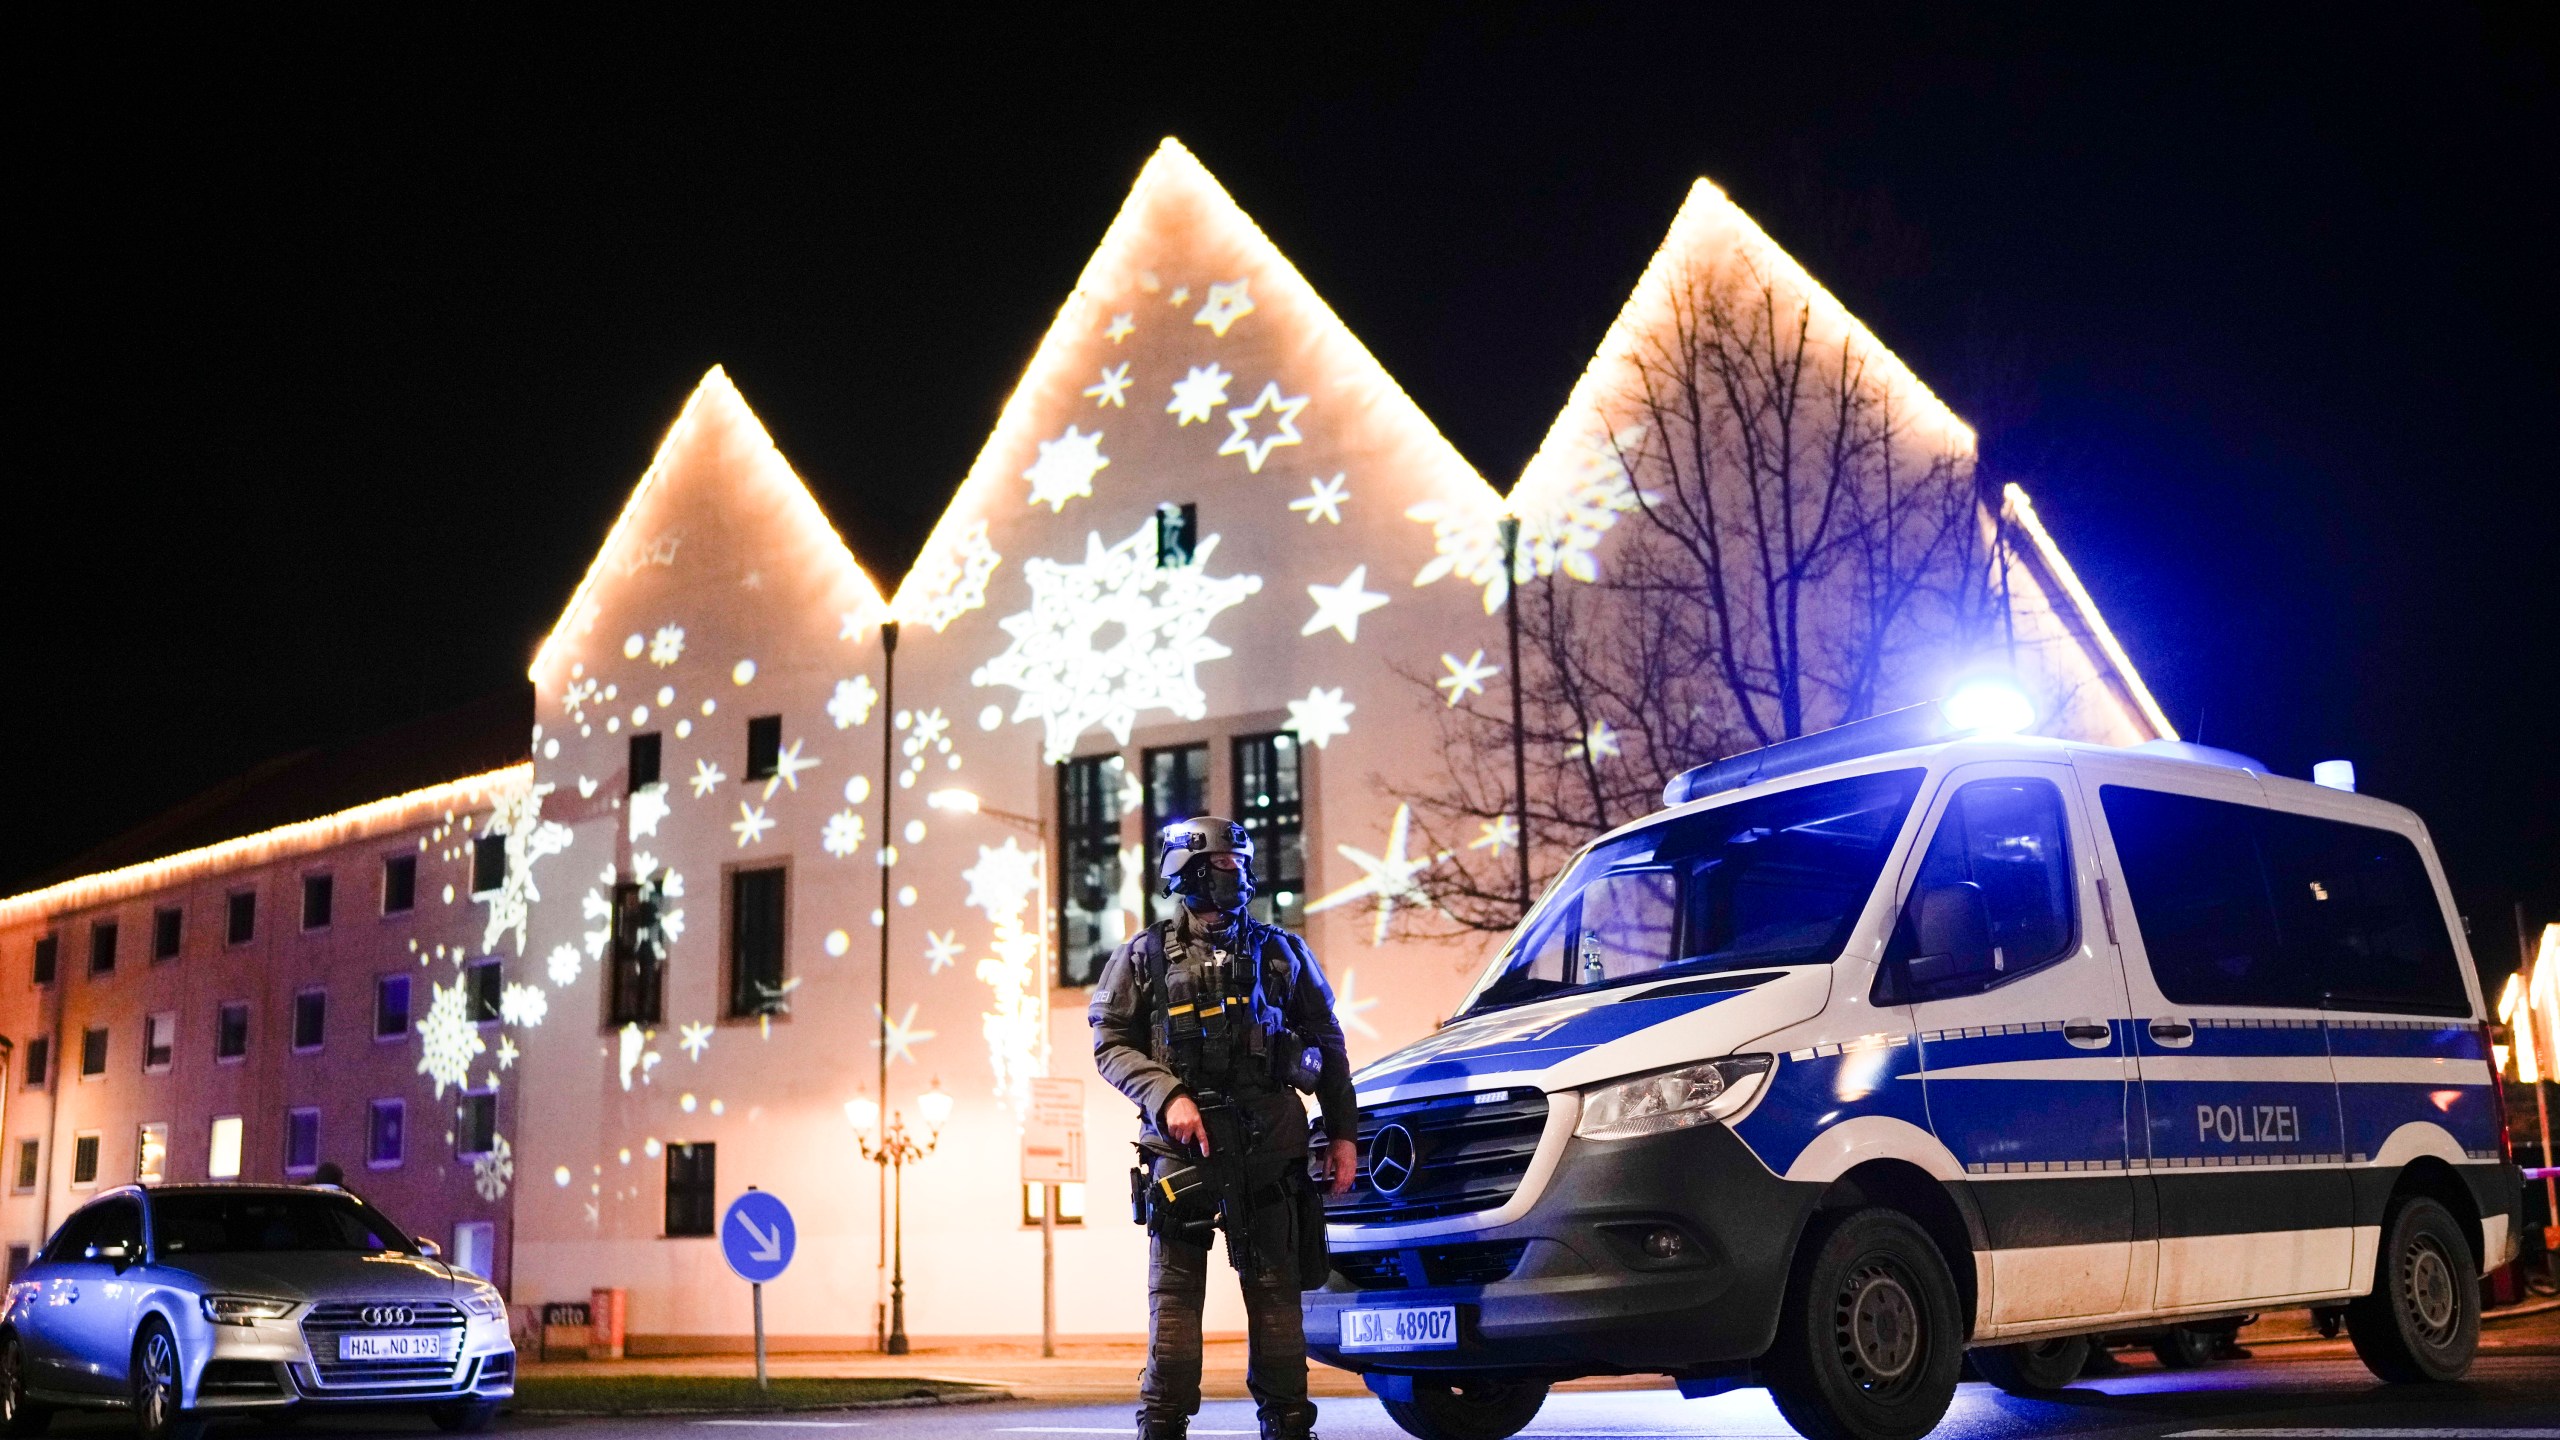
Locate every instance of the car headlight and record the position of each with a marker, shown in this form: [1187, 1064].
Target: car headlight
[1671, 1099]
[244, 1309]
[484, 1303]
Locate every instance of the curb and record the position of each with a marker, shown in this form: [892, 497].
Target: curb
[988, 1396]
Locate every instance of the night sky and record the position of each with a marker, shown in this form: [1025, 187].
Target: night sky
[340, 350]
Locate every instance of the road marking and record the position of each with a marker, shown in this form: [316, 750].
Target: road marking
[791, 1424]
[2366, 1433]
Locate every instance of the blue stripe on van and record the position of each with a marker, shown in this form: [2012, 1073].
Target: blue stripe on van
[1807, 1097]
[2388, 1038]
[1500, 1044]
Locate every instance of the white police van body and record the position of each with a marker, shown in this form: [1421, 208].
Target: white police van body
[1859, 1060]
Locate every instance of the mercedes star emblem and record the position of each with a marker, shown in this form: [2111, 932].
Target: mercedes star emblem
[1391, 1159]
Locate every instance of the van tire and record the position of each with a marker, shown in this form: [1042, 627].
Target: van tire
[1467, 1408]
[2422, 1320]
[2184, 1347]
[1871, 1336]
[2034, 1367]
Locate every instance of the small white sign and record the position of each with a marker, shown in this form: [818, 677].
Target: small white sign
[392, 1345]
[1053, 1134]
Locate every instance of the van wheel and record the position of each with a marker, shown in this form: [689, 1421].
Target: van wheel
[2422, 1321]
[2036, 1367]
[1870, 1337]
[2184, 1347]
[18, 1414]
[1467, 1408]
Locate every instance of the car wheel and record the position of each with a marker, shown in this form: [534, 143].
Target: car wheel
[468, 1418]
[2036, 1367]
[159, 1387]
[2184, 1347]
[1870, 1337]
[18, 1414]
[1467, 1408]
[2422, 1321]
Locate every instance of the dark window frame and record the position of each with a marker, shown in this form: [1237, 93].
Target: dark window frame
[475, 1124]
[383, 985]
[320, 1042]
[1159, 815]
[764, 747]
[96, 1043]
[319, 899]
[374, 1111]
[484, 989]
[692, 1198]
[1091, 832]
[222, 1013]
[38, 1066]
[1277, 821]
[635, 959]
[47, 964]
[239, 917]
[1895, 986]
[86, 1146]
[26, 1172]
[168, 1053]
[294, 1118]
[399, 884]
[488, 864]
[168, 932]
[761, 993]
[103, 938]
[645, 761]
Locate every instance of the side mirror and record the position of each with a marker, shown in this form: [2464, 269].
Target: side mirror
[428, 1247]
[1953, 927]
[114, 1253]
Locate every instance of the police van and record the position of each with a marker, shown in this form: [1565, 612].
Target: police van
[1908, 1040]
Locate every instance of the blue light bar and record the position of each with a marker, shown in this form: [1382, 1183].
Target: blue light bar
[1893, 730]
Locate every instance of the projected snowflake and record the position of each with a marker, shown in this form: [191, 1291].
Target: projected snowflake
[1228, 304]
[842, 836]
[449, 1041]
[1198, 395]
[1323, 500]
[1322, 716]
[518, 817]
[1157, 617]
[750, 825]
[1560, 532]
[902, 1035]
[635, 1058]
[1466, 677]
[693, 1037]
[1004, 882]
[1065, 469]
[648, 806]
[524, 1006]
[1016, 1022]
[852, 702]
[787, 766]
[1257, 448]
[1386, 879]
[942, 948]
[493, 1172]
[706, 778]
[1600, 742]
[563, 964]
[1496, 833]
[1112, 389]
[951, 580]
[667, 646]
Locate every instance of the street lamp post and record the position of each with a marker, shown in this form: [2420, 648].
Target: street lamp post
[895, 1151]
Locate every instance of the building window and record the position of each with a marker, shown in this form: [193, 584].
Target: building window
[475, 1130]
[168, 923]
[483, 983]
[102, 948]
[159, 1041]
[399, 884]
[1177, 534]
[637, 985]
[691, 1189]
[764, 746]
[391, 1007]
[1070, 1204]
[1271, 805]
[240, 924]
[93, 1053]
[84, 1159]
[475, 1248]
[645, 750]
[310, 1020]
[301, 1141]
[1091, 922]
[755, 942]
[39, 1060]
[386, 1134]
[488, 864]
[317, 892]
[231, 1031]
[222, 1149]
[1177, 788]
[151, 1153]
[48, 958]
[30, 1154]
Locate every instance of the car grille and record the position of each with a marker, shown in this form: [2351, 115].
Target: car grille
[1479, 1263]
[322, 1327]
[1469, 1154]
[240, 1380]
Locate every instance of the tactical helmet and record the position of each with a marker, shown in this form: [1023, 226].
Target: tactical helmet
[1187, 841]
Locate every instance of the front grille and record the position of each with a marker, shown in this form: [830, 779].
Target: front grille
[1478, 1263]
[322, 1327]
[1371, 1269]
[240, 1380]
[1469, 1154]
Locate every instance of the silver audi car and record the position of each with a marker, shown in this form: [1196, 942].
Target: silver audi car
[185, 1304]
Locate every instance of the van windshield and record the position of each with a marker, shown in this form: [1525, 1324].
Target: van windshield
[1774, 880]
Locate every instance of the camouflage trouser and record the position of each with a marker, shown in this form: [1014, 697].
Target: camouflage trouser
[1276, 1356]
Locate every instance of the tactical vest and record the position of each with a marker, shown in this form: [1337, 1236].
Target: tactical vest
[1219, 1026]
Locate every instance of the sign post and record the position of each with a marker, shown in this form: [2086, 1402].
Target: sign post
[1052, 1155]
[757, 1239]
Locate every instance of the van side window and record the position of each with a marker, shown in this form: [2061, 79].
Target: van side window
[2200, 899]
[2359, 916]
[2010, 840]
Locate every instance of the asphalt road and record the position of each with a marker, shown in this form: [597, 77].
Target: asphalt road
[2505, 1398]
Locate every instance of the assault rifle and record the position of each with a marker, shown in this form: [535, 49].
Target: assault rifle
[1233, 1136]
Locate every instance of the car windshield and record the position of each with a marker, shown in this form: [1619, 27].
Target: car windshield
[265, 1222]
[1774, 880]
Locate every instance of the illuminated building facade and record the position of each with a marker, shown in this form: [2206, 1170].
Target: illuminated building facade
[1211, 558]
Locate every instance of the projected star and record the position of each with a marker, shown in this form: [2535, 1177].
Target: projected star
[1387, 879]
[1495, 833]
[750, 825]
[1113, 385]
[1320, 717]
[693, 1037]
[1181, 296]
[1466, 677]
[1339, 607]
[901, 1035]
[1323, 500]
[1065, 469]
[706, 778]
[1198, 394]
[1256, 449]
[1597, 743]
[787, 767]
[942, 950]
[1349, 1005]
[1228, 304]
[1121, 326]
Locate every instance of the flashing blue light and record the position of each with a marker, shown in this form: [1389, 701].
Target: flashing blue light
[2336, 774]
[1989, 707]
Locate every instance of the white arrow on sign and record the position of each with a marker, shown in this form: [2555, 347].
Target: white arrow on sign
[768, 1243]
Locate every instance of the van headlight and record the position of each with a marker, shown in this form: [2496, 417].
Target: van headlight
[1671, 1099]
[244, 1309]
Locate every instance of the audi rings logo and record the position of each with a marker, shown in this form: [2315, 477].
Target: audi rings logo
[1391, 1159]
[386, 1317]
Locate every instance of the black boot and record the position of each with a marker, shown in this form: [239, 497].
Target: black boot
[1290, 1429]
[1163, 1427]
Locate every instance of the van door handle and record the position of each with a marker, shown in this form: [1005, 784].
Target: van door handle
[2173, 1033]
[2087, 1034]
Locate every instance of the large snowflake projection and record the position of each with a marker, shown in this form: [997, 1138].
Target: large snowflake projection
[901, 1035]
[635, 1058]
[493, 1172]
[1016, 1023]
[1284, 431]
[1322, 716]
[1323, 500]
[1066, 468]
[524, 1006]
[563, 964]
[1339, 607]
[1466, 677]
[1004, 882]
[449, 1041]
[1228, 304]
[1112, 389]
[1560, 531]
[787, 766]
[842, 835]
[693, 1037]
[1198, 395]
[1351, 1007]
[942, 949]
[1157, 618]
[750, 825]
[1388, 878]
[852, 702]
[648, 806]
[518, 817]
[706, 778]
[667, 646]
[950, 581]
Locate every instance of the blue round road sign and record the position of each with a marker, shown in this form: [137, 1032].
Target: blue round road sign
[757, 1236]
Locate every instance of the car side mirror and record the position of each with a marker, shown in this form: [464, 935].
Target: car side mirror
[428, 1247]
[115, 1254]
[1954, 933]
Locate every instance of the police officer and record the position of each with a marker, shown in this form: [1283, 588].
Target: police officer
[1209, 1022]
